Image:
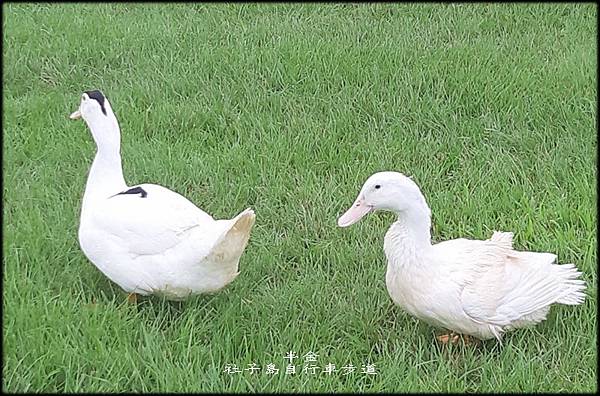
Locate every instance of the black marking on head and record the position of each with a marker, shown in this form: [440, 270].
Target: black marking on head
[98, 96]
[135, 190]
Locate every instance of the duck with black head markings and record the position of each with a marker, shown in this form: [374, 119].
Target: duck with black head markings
[147, 238]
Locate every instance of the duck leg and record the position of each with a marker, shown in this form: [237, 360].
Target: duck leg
[132, 298]
[451, 337]
[470, 340]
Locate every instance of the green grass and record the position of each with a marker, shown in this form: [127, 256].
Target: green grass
[288, 108]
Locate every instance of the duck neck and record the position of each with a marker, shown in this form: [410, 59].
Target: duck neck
[106, 174]
[408, 238]
[414, 226]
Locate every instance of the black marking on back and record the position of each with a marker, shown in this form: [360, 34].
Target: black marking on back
[99, 97]
[135, 190]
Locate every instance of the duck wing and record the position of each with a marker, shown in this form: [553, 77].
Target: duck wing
[149, 219]
[501, 286]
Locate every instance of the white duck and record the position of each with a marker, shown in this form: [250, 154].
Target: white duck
[147, 238]
[472, 287]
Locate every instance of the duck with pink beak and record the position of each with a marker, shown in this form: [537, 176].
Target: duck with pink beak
[472, 287]
[390, 191]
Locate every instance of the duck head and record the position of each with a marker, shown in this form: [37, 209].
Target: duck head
[391, 191]
[97, 113]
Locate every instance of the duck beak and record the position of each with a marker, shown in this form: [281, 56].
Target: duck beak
[75, 115]
[356, 212]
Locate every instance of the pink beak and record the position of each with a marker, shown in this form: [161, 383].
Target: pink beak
[356, 212]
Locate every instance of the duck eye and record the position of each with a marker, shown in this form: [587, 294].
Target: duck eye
[377, 186]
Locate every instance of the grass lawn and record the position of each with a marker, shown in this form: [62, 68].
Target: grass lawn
[288, 108]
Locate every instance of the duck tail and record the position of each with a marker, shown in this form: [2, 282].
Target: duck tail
[572, 288]
[540, 283]
[550, 282]
[231, 244]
